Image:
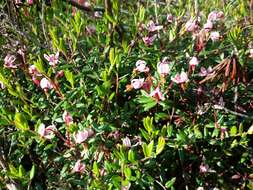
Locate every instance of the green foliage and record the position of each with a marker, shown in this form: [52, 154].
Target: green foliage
[101, 120]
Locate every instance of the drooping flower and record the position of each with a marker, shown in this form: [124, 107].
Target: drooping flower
[47, 132]
[52, 59]
[137, 83]
[203, 168]
[141, 66]
[204, 72]
[9, 61]
[208, 26]
[45, 84]
[169, 18]
[148, 40]
[126, 142]
[81, 136]
[157, 94]
[180, 78]
[67, 118]
[2, 86]
[215, 36]
[79, 167]
[193, 62]
[35, 80]
[215, 15]
[30, 2]
[191, 25]
[251, 53]
[163, 67]
[33, 71]
[152, 27]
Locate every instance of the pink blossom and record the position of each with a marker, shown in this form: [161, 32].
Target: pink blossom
[126, 142]
[18, 2]
[45, 84]
[97, 14]
[215, 15]
[215, 36]
[137, 83]
[52, 59]
[33, 71]
[148, 40]
[251, 53]
[157, 94]
[152, 27]
[47, 132]
[208, 26]
[204, 72]
[67, 118]
[141, 66]
[81, 136]
[169, 18]
[191, 25]
[35, 80]
[9, 61]
[91, 29]
[2, 86]
[163, 68]
[203, 168]
[193, 62]
[30, 2]
[180, 78]
[60, 74]
[79, 167]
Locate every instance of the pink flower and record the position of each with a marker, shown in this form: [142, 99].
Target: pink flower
[91, 29]
[180, 78]
[30, 2]
[79, 167]
[35, 80]
[191, 25]
[157, 94]
[151, 27]
[81, 136]
[215, 36]
[204, 72]
[203, 168]
[60, 74]
[2, 86]
[169, 18]
[251, 53]
[97, 14]
[126, 142]
[67, 118]
[137, 83]
[9, 61]
[47, 132]
[208, 26]
[163, 67]
[33, 71]
[193, 62]
[215, 15]
[141, 66]
[45, 84]
[148, 40]
[18, 2]
[52, 59]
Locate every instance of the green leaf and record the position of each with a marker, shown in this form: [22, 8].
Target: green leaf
[233, 131]
[147, 102]
[170, 183]
[95, 169]
[32, 172]
[39, 65]
[128, 173]
[20, 121]
[21, 171]
[131, 156]
[148, 149]
[250, 130]
[70, 77]
[160, 145]
[148, 124]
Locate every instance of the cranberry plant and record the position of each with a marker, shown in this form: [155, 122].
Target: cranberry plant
[126, 94]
